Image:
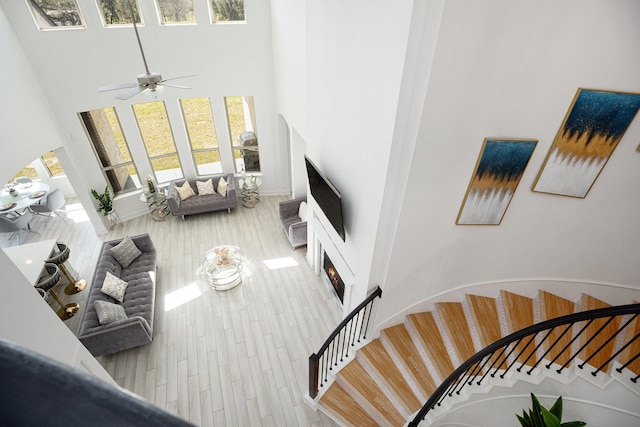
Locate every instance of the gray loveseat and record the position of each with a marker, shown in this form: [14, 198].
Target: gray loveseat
[294, 227]
[201, 204]
[138, 303]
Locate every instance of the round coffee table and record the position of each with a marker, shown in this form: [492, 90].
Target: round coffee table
[223, 267]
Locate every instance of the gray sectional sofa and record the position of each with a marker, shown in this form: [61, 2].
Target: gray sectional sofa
[199, 203]
[138, 303]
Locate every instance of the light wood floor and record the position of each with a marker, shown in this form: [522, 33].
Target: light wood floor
[225, 358]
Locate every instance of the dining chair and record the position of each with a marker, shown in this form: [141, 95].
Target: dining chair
[15, 224]
[53, 202]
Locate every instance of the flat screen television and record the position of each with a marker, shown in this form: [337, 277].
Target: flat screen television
[326, 196]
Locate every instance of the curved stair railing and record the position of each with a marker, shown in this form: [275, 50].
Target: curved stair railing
[353, 329]
[548, 341]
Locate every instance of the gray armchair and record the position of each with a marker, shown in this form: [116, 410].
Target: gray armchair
[294, 227]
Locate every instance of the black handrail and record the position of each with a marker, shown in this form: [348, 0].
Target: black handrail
[352, 329]
[453, 383]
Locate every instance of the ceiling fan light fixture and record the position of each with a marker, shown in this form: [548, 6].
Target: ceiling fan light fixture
[154, 91]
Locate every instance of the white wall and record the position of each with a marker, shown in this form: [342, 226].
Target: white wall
[354, 58]
[511, 69]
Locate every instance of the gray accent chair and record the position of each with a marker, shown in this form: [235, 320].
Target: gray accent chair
[53, 202]
[294, 227]
[139, 301]
[201, 204]
[15, 224]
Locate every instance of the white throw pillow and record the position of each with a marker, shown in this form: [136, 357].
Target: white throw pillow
[222, 187]
[109, 312]
[185, 191]
[302, 211]
[114, 287]
[125, 252]
[205, 187]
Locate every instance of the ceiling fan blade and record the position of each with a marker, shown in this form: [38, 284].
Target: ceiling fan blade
[176, 86]
[176, 78]
[116, 87]
[130, 93]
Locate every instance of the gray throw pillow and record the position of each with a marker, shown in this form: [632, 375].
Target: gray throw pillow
[125, 252]
[108, 312]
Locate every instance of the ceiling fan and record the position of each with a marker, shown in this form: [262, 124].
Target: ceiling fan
[151, 82]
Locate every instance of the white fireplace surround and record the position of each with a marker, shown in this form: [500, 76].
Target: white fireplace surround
[319, 241]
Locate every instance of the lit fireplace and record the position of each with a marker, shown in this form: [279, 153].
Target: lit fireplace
[334, 277]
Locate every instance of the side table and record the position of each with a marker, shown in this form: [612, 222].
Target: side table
[157, 203]
[250, 190]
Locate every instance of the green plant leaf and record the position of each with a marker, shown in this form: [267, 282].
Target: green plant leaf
[523, 421]
[556, 409]
[536, 412]
[550, 420]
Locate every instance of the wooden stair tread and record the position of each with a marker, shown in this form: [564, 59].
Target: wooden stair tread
[599, 360]
[359, 381]
[552, 306]
[340, 403]
[484, 312]
[455, 322]
[398, 336]
[425, 325]
[377, 356]
[634, 348]
[519, 314]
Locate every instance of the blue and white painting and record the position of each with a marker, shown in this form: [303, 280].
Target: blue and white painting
[498, 171]
[592, 128]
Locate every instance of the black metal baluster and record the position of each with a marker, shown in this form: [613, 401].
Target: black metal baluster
[515, 359]
[534, 350]
[591, 339]
[550, 347]
[607, 342]
[584, 328]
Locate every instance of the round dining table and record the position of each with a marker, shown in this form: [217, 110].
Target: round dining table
[26, 195]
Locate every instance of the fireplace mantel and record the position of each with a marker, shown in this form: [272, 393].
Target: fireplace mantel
[319, 241]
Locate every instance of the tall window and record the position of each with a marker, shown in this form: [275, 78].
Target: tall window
[52, 14]
[105, 134]
[118, 12]
[176, 11]
[242, 128]
[202, 134]
[158, 140]
[227, 10]
[51, 163]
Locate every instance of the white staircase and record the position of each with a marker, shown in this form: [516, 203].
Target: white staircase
[391, 377]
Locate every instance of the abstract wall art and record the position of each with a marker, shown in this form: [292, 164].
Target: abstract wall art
[499, 168]
[592, 128]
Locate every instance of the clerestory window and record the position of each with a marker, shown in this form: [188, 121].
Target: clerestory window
[226, 11]
[56, 14]
[118, 12]
[176, 11]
